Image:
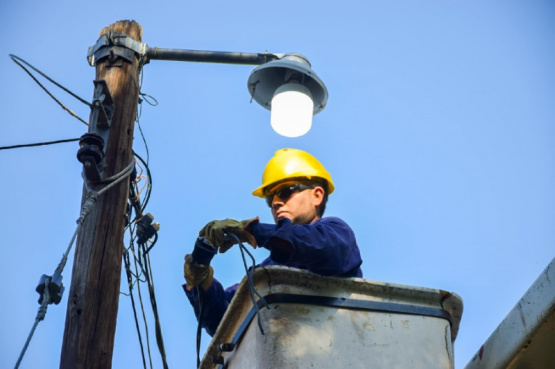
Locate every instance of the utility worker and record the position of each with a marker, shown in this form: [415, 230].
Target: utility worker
[296, 187]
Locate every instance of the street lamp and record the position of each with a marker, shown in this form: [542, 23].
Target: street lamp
[285, 84]
[291, 90]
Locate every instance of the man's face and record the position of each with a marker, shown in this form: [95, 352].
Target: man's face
[299, 207]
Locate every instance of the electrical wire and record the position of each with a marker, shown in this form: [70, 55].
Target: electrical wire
[130, 285]
[39, 144]
[251, 270]
[150, 283]
[252, 292]
[252, 289]
[200, 298]
[134, 204]
[134, 278]
[137, 262]
[92, 196]
[146, 98]
[40, 316]
[142, 261]
[149, 187]
[152, 243]
[144, 179]
[17, 60]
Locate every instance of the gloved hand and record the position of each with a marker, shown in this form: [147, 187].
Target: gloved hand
[215, 232]
[197, 274]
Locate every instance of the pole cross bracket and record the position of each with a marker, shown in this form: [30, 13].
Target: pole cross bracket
[116, 47]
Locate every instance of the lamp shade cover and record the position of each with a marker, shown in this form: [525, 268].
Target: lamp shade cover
[267, 78]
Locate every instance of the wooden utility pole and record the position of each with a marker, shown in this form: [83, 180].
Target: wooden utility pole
[95, 282]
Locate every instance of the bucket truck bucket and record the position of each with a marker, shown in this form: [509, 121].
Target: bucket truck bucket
[326, 322]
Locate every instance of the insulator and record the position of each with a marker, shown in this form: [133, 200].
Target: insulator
[90, 151]
[55, 288]
[92, 139]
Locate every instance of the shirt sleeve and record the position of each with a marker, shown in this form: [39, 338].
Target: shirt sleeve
[326, 247]
[214, 303]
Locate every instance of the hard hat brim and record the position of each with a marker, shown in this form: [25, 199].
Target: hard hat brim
[262, 191]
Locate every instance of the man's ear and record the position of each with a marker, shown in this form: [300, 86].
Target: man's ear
[317, 195]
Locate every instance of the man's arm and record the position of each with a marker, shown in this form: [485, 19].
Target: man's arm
[327, 246]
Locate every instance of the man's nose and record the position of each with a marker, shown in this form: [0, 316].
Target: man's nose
[276, 202]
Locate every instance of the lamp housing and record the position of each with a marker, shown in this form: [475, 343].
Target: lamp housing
[291, 69]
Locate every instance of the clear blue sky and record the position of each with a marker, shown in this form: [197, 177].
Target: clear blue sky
[438, 134]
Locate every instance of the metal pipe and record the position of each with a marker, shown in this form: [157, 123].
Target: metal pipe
[155, 53]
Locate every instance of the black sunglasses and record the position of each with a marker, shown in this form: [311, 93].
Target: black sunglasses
[286, 192]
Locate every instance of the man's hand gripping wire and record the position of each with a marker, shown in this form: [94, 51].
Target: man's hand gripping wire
[218, 232]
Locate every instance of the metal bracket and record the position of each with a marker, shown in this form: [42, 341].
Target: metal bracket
[115, 45]
[103, 100]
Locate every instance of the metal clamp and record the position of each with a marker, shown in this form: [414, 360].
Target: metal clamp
[114, 45]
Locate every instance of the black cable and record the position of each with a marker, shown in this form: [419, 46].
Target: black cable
[251, 289]
[153, 243]
[39, 144]
[13, 57]
[148, 276]
[130, 283]
[250, 273]
[137, 276]
[200, 298]
[139, 261]
[144, 140]
[252, 292]
[134, 202]
[147, 97]
[251, 270]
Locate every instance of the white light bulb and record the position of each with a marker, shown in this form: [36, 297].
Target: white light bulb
[292, 109]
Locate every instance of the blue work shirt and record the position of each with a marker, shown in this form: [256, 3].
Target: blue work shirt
[327, 247]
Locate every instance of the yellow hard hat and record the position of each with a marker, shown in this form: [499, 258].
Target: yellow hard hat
[290, 164]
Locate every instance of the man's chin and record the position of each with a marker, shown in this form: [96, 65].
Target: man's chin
[284, 216]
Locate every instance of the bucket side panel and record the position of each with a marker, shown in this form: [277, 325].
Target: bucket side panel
[311, 336]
